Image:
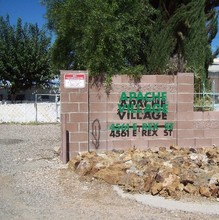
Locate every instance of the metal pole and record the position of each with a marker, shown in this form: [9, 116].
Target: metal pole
[88, 124]
[203, 94]
[213, 90]
[35, 103]
[56, 99]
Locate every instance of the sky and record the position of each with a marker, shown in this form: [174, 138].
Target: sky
[31, 11]
[215, 42]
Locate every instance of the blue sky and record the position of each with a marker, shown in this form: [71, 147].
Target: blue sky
[32, 12]
[215, 43]
[28, 10]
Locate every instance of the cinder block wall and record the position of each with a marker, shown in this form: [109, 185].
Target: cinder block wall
[105, 109]
[87, 116]
[184, 111]
[206, 128]
[74, 118]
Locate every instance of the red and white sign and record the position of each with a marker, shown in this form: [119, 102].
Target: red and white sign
[74, 80]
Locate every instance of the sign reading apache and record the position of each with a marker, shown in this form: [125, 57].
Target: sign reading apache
[142, 106]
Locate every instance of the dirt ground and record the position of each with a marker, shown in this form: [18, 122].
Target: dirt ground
[36, 185]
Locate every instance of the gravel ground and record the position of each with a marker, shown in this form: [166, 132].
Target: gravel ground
[34, 184]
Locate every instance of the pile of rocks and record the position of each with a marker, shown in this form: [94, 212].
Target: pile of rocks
[172, 172]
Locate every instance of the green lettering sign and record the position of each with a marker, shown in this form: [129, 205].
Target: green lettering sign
[123, 97]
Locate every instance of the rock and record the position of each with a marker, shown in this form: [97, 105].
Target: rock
[143, 162]
[136, 182]
[118, 151]
[73, 163]
[162, 149]
[103, 156]
[167, 164]
[57, 150]
[100, 165]
[137, 156]
[140, 173]
[132, 169]
[211, 153]
[177, 161]
[84, 167]
[176, 170]
[111, 176]
[216, 149]
[199, 163]
[184, 151]
[187, 177]
[169, 173]
[163, 154]
[148, 180]
[203, 158]
[125, 157]
[159, 177]
[214, 179]
[89, 155]
[214, 190]
[204, 191]
[193, 156]
[170, 180]
[186, 164]
[193, 150]
[173, 186]
[128, 164]
[156, 188]
[132, 182]
[174, 148]
[190, 188]
[172, 193]
[152, 167]
[164, 193]
[180, 187]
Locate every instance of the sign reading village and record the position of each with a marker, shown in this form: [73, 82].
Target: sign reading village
[147, 107]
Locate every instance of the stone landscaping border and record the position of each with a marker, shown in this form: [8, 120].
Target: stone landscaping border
[171, 173]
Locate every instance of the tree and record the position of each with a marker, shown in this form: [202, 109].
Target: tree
[25, 58]
[106, 37]
[116, 36]
[191, 25]
[212, 23]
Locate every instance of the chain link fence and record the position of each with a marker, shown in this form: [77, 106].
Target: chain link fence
[207, 100]
[45, 109]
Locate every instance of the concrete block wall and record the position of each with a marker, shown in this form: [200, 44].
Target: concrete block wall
[105, 109]
[206, 128]
[184, 112]
[74, 118]
[87, 115]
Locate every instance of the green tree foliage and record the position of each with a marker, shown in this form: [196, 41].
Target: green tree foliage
[190, 25]
[25, 59]
[191, 41]
[195, 48]
[103, 36]
[212, 23]
[119, 36]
